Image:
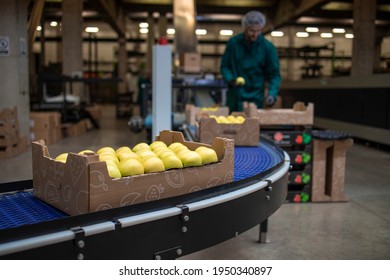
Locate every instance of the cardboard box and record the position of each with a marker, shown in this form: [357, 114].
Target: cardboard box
[15, 149]
[298, 115]
[9, 122]
[95, 111]
[50, 136]
[46, 126]
[329, 160]
[193, 113]
[44, 120]
[190, 62]
[74, 129]
[245, 134]
[82, 184]
[9, 139]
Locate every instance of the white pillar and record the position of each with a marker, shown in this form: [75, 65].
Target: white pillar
[161, 89]
[72, 40]
[14, 82]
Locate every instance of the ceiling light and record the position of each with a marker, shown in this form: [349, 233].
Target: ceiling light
[39, 28]
[226, 32]
[302, 34]
[170, 31]
[143, 25]
[277, 33]
[312, 29]
[349, 36]
[200, 31]
[338, 30]
[91, 29]
[326, 35]
[143, 30]
[53, 23]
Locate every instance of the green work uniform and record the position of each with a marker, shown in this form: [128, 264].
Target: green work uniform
[257, 62]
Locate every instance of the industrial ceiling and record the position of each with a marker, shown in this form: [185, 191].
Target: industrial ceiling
[280, 13]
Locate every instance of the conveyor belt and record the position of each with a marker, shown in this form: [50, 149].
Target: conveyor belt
[251, 161]
[22, 208]
[161, 229]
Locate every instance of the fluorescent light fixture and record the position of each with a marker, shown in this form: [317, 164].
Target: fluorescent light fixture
[53, 23]
[39, 28]
[200, 31]
[326, 35]
[226, 32]
[349, 36]
[302, 34]
[143, 25]
[338, 30]
[312, 29]
[170, 31]
[143, 30]
[277, 33]
[91, 29]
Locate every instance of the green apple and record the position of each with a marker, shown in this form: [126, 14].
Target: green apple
[108, 156]
[141, 146]
[165, 153]
[240, 119]
[208, 155]
[110, 162]
[144, 154]
[240, 81]
[62, 157]
[174, 144]
[122, 149]
[113, 171]
[190, 158]
[128, 155]
[131, 167]
[156, 144]
[177, 147]
[232, 119]
[86, 151]
[172, 161]
[153, 164]
[222, 119]
[106, 150]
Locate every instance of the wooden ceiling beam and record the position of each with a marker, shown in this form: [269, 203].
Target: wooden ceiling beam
[114, 15]
[288, 11]
[34, 21]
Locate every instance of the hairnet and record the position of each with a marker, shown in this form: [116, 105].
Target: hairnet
[253, 17]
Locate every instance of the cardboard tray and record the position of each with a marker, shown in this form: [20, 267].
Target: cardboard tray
[82, 184]
[245, 134]
[193, 113]
[298, 115]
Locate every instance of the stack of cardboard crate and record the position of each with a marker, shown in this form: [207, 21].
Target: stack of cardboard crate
[291, 128]
[46, 126]
[11, 142]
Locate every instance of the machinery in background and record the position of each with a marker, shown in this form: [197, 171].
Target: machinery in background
[188, 90]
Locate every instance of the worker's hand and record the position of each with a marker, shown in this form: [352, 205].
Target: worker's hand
[270, 100]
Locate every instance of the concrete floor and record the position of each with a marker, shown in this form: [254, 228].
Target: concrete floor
[356, 230]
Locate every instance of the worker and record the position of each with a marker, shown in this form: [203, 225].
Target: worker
[250, 65]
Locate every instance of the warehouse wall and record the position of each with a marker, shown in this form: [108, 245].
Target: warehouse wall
[356, 105]
[343, 48]
[14, 90]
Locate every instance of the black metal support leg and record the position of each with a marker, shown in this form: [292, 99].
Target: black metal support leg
[263, 229]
